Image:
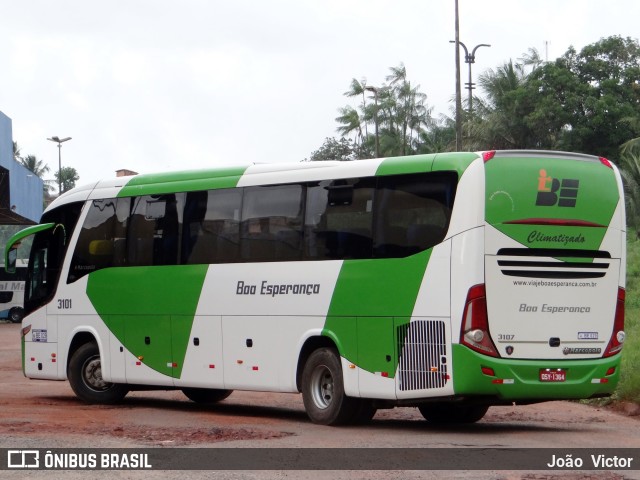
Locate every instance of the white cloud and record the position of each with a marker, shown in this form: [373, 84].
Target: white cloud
[154, 84]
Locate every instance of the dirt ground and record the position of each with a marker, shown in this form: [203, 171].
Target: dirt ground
[46, 414]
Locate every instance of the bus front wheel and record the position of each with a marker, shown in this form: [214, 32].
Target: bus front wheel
[16, 314]
[323, 389]
[206, 395]
[85, 377]
[442, 413]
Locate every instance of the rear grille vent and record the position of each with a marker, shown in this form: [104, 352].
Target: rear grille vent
[535, 263]
[423, 355]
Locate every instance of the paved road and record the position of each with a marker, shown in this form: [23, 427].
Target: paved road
[43, 414]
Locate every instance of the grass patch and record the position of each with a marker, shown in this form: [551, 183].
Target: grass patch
[629, 386]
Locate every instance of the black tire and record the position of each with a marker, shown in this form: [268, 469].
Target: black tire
[206, 395]
[16, 314]
[443, 413]
[323, 389]
[364, 412]
[85, 376]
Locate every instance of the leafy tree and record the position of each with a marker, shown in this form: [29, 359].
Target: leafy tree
[332, 149]
[67, 177]
[630, 169]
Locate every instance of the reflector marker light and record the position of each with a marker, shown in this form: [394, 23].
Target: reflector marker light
[611, 371]
[488, 371]
[383, 374]
[606, 162]
[503, 381]
[486, 156]
[212, 366]
[599, 380]
[254, 368]
[138, 364]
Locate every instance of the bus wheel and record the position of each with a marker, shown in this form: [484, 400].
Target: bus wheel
[16, 314]
[451, 413]
[206, 395]
[323, 389]
[85, 377]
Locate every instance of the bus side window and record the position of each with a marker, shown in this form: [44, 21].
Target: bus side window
[211, 232]
[154, 230]
[412, 212]
[101, 242]
[272, 218]
[338, 221]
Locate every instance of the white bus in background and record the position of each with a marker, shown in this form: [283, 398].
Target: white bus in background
[12, 292]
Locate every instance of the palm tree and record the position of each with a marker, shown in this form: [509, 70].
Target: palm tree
[30, 162]
[350, 123]
[16, 152]
[67, 178]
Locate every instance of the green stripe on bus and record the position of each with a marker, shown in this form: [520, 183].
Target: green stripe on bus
[451, 161]
[369, 298]
[150, 310]
[187, 181]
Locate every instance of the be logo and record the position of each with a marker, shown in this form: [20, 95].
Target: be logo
[555, 191]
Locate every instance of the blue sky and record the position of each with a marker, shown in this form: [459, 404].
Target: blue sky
[153, 85]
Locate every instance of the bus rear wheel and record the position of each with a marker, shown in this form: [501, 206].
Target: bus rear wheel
[206, 395]
[323, 389]
[443, 413]
[85, 377]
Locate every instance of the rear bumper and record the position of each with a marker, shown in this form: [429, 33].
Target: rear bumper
[519, 379]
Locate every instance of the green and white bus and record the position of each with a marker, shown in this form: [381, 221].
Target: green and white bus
[448, 282]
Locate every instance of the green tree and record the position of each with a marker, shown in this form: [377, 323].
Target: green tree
[396, 112]
[67, 178]
[343, 149]
[16, 152]
[501, 119]
[630, 170]
[31, 163]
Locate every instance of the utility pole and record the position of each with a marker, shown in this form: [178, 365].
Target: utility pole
[458, 91]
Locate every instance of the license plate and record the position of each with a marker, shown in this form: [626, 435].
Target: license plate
[553, 375]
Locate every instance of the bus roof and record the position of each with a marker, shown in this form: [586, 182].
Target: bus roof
[264, 174]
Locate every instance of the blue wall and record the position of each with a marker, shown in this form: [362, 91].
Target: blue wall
[26, 189]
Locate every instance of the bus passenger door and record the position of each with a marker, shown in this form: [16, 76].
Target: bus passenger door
[376, 357]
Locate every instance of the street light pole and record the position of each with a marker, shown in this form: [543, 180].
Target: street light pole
[470, 58]
[375, 117]
[59, 141]
[458, 92]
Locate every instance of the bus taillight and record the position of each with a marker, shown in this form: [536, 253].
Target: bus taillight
[475, 324]
[618, 335]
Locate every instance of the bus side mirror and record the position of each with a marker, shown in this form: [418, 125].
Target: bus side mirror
[10, 261]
